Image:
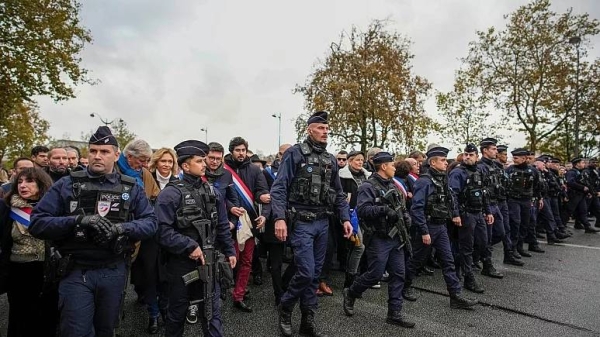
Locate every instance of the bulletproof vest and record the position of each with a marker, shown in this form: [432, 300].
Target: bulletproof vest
[197, 213]
[553, 183]
[471, 198]
[590, 179]
[493, 181]
[438, 207]
[521, 182]
[393, 201]
[503, 190]
[311, 184]
[89, 197]
[542, 184]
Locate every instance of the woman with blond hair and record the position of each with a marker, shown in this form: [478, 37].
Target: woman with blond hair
[163, 166]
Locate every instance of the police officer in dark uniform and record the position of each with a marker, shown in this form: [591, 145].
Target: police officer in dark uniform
[93, 217]
[494, 182]
[555, 195]
[544, 214]
[579, 190]
[306, 188]
[192, 220]
[431, 210]
[592, 178]
[467, 184]
[378, 204]
[521, 181]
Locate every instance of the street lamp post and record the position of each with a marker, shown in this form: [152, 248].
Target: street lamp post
[205, 129]
[278, 116]
[576, 40]
[106, 122]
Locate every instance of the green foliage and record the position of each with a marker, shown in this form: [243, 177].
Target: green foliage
[367, 85]
[21, 129]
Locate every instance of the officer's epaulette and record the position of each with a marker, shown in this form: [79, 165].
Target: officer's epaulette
[305, 148]
[78, 174]
[127, 179]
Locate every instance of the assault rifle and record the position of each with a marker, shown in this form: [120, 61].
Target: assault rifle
[392, 199]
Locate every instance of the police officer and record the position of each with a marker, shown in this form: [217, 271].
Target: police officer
[521, 180]
[467, 184]
[431, 209]
[192, 219]
[555, 195]
[579, 190]
[494, 182]
[306, 187]
[384, 249]
[93, 217]
[544, 214]
[592, 178]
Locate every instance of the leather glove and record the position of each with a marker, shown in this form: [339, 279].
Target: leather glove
[86, 221]
[407, 220]
[105, 232]
[391, 215]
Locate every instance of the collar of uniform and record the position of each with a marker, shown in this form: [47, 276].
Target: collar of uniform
[380, 178]
[190, 179]
[487, 161]
[111, 177]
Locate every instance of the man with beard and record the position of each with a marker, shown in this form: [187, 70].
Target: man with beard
[58, 164]
[252, 188]
[306, 189]
[73, 159]
[493, 182]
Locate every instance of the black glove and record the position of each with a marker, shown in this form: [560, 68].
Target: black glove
[105, 232]
[391, 215]
[86, 221]
[407, 219]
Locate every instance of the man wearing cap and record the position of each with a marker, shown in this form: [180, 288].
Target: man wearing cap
[556, 194]
[578, 192]
[93, 216]
[431, 210]
[307, 187]
[544, 214]
[502, 157]
[521, 182]
[384, 250]
[592, 177]
[494, 182]
[467, 184]
[192, 220]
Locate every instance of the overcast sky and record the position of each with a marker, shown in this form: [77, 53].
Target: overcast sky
[170, 68]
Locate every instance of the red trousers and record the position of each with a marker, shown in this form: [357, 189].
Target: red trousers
[244, 260]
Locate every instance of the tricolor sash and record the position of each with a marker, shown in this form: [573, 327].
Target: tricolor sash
[21, 215]
[413, 177]
[243, 190]
[270, 172]
[400, 185]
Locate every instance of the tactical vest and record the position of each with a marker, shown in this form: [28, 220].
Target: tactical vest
[382, 225]
[542, 184]
[521, 183]
[553, 182]
[88, 198]
[197, 213]
[311, 184]
[438, 207]
[493, 182]
[471, 198]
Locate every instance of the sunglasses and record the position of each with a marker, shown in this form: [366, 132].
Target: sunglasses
[342, 159]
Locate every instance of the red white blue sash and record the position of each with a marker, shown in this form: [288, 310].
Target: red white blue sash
[400, 185]
[413, 177]
[21, 215]
[241, 188]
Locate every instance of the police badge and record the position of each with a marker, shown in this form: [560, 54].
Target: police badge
[103, 208]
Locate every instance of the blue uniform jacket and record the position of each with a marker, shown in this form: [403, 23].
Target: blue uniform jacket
[292, 159]
[167, 203]
[424, 188]
[366, 207]
[536, 192]
[457, 182]
[49, 220]
[573, 183]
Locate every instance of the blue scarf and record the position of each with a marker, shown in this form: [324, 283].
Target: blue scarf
[128, 171]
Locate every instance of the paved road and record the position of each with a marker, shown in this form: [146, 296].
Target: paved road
[555, 294]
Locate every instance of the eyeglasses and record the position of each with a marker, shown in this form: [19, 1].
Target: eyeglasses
[215, 159]
[342, 159]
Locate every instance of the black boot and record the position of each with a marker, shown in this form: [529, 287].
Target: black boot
[409, 293]
[472, 285]
[307, 324]
[285, 321]
[349, 280]
[489, 270]
[522, 251]
[536, 248]
[510, 259]
[459, 302]
[152, 325]
[396, 318]
[553, 239]
[348, 302]
[591, 230]
[515, 254]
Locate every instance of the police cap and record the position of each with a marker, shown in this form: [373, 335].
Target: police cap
[470, 148]
[502, 148]
[318, 117]
[519, 152]
[382, 157]
[190, 148]
[103, 136]
[576, 160]
[438, 151]
[488, 142]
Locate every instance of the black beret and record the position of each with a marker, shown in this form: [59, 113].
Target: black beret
[382, 157]
[470, 148]
[488, 141]
[502, 148]
[438, 151]
[318, 117]
[190, 148]
[354, 154]
[519, 152]
[103, 136]
[576, 160]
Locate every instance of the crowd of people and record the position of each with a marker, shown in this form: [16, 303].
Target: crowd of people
[190, 226]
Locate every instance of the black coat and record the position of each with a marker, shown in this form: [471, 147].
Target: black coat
[5, 245]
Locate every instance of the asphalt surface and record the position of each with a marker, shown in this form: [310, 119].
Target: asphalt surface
[554, 294]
